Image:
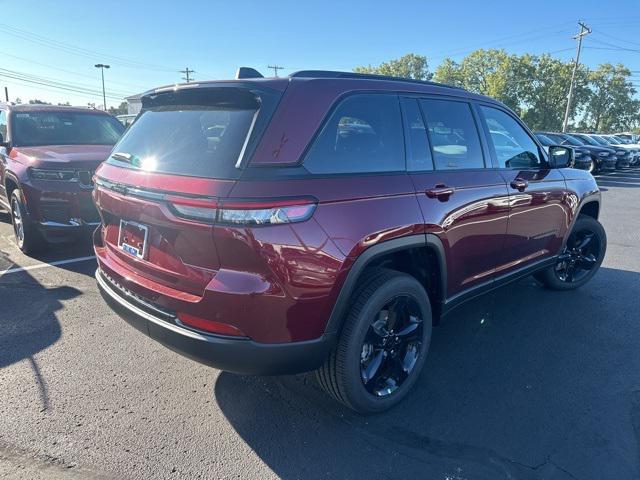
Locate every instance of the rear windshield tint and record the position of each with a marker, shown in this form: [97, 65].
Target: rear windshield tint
[31, 129]
[203, 133]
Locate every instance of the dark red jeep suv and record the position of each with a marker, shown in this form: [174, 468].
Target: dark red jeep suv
[48, 155]
[326, 220]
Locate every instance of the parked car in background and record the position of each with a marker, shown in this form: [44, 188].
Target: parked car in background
[48, 155]
[616, 141]
[602, 158]
[126, 119]
[632, 137]
[334, 220]
[582, 158]
[624, 154]
[604, 154]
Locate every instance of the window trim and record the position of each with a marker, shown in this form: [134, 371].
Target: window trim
[336, 104]
[544, 162]
[407, 140]
[479, 131]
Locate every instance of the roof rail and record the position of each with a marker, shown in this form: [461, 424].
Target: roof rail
[368, 76]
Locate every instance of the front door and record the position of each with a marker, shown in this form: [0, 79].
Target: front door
[539, 207]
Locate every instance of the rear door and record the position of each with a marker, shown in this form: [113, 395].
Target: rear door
[539, 200]
[3, 160]
[463, 202]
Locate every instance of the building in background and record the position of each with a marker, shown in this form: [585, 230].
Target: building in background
[134, 104]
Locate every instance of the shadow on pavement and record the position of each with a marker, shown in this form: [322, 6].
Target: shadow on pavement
[522, 383]
[28, 322]
[623, 179]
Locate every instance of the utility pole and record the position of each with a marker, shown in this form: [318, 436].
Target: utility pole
[584, 31]
[102, 66]
[6, 94]
[275, 69]
[187, 74]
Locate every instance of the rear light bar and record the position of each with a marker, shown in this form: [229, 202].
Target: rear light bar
[239, 212]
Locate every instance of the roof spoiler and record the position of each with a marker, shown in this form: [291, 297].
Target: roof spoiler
[248, 72]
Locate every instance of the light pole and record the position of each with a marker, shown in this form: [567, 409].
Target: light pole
[102, 66]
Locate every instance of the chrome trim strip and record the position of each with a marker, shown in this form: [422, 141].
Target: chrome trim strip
[147, 316]
[106, 280]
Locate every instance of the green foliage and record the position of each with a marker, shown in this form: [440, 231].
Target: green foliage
[120, 110]
[535, 86]
[611, 106]
[38, 102]
[408, 66]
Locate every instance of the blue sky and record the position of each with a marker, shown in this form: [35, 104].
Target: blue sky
[147, 43]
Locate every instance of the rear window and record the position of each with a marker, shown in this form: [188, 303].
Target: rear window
[200, 133]
[31, 129]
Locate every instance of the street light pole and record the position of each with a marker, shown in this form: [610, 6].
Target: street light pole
[102, 66]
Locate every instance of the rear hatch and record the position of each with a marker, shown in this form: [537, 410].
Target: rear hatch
[158, 191]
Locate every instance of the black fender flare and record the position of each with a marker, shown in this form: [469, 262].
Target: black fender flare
[428, 240]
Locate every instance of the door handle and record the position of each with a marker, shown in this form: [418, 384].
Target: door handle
[519, 184]
[440, 191]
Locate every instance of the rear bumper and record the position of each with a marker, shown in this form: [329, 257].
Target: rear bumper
[234, 354]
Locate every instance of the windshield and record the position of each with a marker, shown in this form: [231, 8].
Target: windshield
[600, 140]
[556, 139]
[199, 133]
[546, 141]
[33, 129]
[589, 140]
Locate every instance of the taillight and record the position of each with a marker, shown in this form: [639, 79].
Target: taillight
[199, 209]
[266, 212]
[240, 212]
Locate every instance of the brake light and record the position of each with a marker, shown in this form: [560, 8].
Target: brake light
[209, 325]
[266, 212]
[240, 212]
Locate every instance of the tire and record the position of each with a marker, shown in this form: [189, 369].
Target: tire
[28, 238]
[343, 376]
[585, 250]
[592, 168]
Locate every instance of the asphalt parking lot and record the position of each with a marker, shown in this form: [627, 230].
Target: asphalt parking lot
[524, 383]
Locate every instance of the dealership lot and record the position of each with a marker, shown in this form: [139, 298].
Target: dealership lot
[523, 383]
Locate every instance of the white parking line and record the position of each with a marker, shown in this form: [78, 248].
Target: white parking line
[45, 265]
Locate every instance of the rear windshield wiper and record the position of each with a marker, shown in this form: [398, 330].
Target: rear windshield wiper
[123, 157]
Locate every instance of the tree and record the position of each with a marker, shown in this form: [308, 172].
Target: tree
[408, 66]
[544, 87]
[122, 109]
[38, 102]
[610, 105]
[487, 72]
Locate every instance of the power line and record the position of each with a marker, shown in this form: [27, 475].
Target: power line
[75, 50]
[78, 74]
[584, 31]
[78, 86]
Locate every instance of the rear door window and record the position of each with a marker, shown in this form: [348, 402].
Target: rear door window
[453, 134]
[362, 135]
[513, 146]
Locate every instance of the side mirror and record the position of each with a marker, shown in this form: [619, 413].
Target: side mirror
[560, 157]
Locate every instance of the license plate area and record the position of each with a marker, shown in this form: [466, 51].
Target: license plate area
[133, 238]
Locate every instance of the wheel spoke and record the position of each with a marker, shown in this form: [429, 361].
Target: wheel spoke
[587, 261]
[570, 272]
[586, 240]
[374, 365]
[411, 328]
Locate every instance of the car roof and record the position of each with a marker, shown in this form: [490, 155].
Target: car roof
[53, 108]
[349, 80]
